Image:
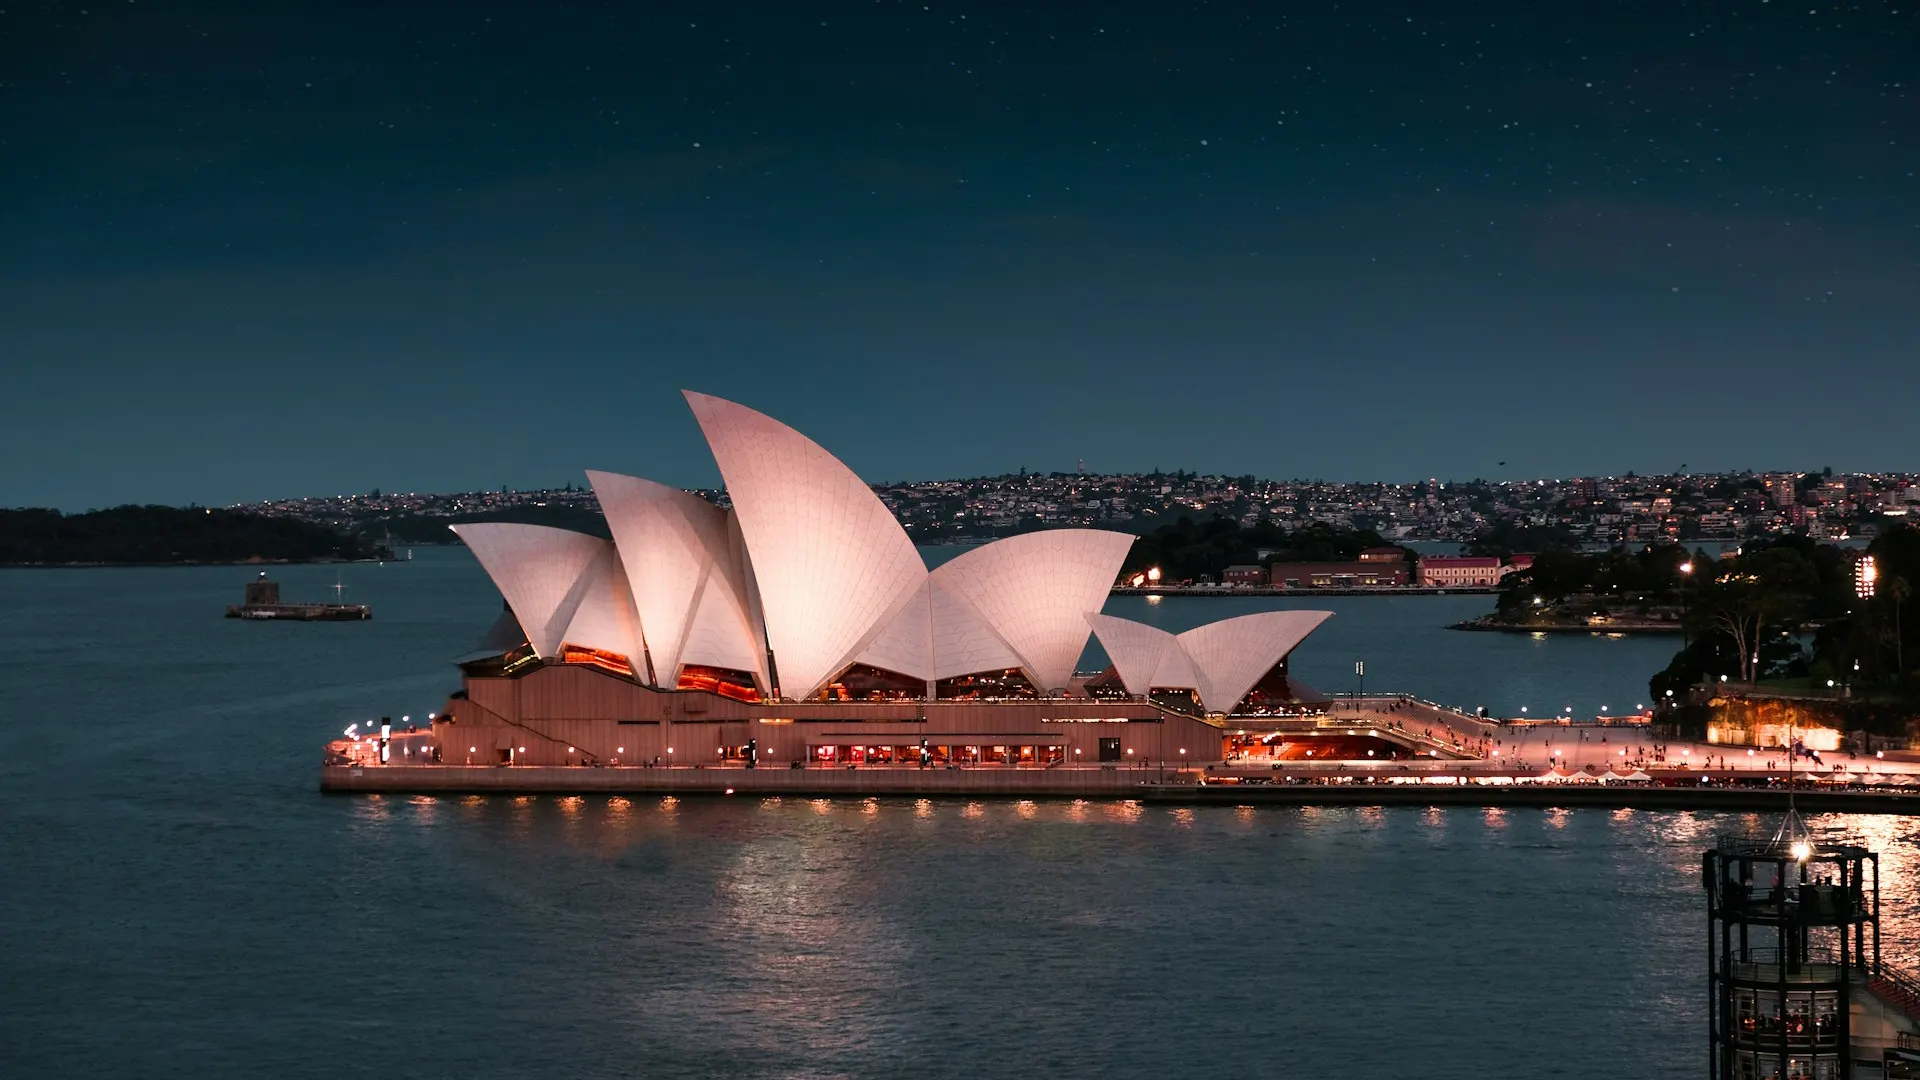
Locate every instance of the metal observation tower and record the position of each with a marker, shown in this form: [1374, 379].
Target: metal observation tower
[1797, 991]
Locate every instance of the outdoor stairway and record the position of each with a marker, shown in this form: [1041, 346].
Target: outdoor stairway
[1897, 991]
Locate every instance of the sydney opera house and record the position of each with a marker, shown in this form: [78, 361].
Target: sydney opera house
[801, 626]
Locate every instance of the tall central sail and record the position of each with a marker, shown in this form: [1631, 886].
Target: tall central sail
[832, 564]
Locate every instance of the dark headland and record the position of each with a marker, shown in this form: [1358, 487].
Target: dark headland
[166, 535]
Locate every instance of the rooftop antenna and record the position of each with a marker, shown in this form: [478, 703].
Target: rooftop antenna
[1792, 836]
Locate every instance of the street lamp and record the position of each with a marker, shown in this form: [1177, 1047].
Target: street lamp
[1686, 573]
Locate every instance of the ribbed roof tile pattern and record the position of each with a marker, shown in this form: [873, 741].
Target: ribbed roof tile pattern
[1220, 662]
[937, 635]
[906, 645]
[1134, 648]
[1176, 670]
[1035, 591]
[831, 562]
[604, 617]
[1232, 654]
[685, 572]
[720, 634]
[963, 643]
[538, 570]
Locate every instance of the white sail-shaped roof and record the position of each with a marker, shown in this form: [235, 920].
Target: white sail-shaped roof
[721, 634]
[604, 618]
[963, 643]
[906, 645]
[831, 563]
[1219, 661]
[687, 575]
[1232, 654]
[1035, 591]
[937, 635]
[538, 570]
[1134, 648]
[1176, 670]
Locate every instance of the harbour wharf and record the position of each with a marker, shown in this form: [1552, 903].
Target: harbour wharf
[1063, 782]
[1444, 786]
[1311, 590]
[1711, 797]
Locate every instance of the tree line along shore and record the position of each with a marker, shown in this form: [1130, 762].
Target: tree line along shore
[170, 536]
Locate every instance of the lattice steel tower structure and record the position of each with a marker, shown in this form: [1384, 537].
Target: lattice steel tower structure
[1793, 932]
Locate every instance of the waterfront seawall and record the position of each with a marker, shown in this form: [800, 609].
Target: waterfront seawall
[1151, 784]
[1018, 783]
[1732, 799]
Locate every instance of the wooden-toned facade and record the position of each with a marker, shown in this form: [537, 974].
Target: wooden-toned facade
[576, 714]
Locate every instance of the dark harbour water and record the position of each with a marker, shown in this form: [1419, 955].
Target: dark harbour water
[175, 897]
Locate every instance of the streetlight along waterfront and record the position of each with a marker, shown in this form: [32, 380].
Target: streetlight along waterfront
[1686, 575]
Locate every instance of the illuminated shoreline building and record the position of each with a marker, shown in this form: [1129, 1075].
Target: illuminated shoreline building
[802, 627]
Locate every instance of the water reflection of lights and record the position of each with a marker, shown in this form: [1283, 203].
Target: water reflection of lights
[821, 806]
[871, 807]
[1494, 817]
[1244, 814]
[923, 808]
[771, 802]
[1025, 808]
[571, 805]
[1623, 815]
[1125, 810]
[1557, 817]
[974, 810]
[1897, 840]
[1436, 816]
[669, 804]
[1182, 816]
[783, 897]
[1077, 810]
[618, 806]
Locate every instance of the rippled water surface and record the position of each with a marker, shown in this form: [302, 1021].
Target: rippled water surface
[176, 898]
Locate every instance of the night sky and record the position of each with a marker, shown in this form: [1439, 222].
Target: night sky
[263, 249]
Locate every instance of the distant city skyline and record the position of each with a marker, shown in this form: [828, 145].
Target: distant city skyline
[1587, 510]
[258, 251]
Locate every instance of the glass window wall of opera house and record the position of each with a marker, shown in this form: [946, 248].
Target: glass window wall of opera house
[800, 624]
